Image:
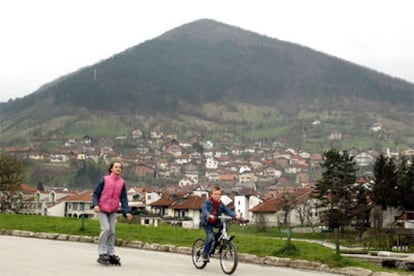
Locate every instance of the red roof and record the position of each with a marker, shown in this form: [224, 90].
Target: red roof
[164, 201]
[84, 196]
[191, 202]
[27, 188]
[271, 205]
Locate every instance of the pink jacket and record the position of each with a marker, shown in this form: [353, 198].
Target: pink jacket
[111, 193]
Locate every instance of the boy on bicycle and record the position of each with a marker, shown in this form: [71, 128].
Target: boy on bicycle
[211, 210]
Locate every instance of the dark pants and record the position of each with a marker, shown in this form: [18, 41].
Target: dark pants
[209, 237]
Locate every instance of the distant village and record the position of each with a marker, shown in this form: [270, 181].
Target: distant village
[267, 182]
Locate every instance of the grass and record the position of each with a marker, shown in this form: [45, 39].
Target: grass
[247, 240]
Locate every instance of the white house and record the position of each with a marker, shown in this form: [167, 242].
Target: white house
[211, 163]
[243, 204]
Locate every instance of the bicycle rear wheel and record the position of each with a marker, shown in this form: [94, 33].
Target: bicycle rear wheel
[228, 257]
[197, 254]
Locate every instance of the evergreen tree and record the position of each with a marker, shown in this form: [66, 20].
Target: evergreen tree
[40, 186]
[336, 188]
[405, 177]
[386, 191]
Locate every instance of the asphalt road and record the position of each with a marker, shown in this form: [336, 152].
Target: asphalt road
[31, 256]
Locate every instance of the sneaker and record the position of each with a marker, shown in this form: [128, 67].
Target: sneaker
[205, 259]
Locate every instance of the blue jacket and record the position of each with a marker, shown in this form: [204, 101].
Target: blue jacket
[208, 208]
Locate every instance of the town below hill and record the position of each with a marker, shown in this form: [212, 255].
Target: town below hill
[169, 179]
[163, 160]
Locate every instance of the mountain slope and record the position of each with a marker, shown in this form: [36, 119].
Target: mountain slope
[185, 69]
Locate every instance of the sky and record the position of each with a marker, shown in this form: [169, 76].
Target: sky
[45, 39]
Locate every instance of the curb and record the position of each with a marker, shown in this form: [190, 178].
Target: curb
[243, 257]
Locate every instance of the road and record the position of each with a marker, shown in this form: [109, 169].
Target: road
[31, 256]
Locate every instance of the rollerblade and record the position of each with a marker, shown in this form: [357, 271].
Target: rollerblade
[114, 260]
[104, 259]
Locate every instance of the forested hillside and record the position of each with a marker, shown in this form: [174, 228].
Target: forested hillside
[184, 70]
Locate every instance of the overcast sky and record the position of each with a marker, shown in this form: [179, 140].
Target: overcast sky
[42, 40]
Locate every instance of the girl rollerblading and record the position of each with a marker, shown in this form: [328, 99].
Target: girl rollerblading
[109, 192]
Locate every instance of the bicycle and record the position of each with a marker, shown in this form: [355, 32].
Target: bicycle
[227, 250]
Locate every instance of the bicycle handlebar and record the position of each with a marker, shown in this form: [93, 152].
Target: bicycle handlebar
[225, 218]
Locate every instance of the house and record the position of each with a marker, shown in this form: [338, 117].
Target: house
[255, 164]
[142, 149]
[151, 197]
[335, 135]
[282, 161]
[59, 157]
[175, 150]
[161, 207]
[304, 154]
[294, 208]
[70, 142]
[244, 200]
[162, 164]
[223, 161]
[302, 178]
[142, 170]
[174, 168]
[315, 161]
[22, 152]
[191, 170]
[136, 198]
[188, 210]
[364, 159]
[376, 127]
[272, 172]
[187, 181]
[267, 212]
[182, 159]
[136, 134]
[405, 220]
[212, 175]
[211, 163]
[246, 176]
[294, 169]
[409, 153]
[37, 156]
[156, 133]
[227, 177]
[392, 153]
[58, 202]
[382, 218]
[87, 140]
[195, 156]
[75, 205]
[237, 186]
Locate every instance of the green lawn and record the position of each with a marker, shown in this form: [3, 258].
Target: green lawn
[248, 240]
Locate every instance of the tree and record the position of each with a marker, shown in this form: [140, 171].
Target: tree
[40, 186]
[336, 188]
[385, 191]
[394, 183]
[405, 177]
[12, 175]
[89, 174]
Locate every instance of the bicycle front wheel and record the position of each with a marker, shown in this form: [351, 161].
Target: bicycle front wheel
[197, 254]
[228, 257]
